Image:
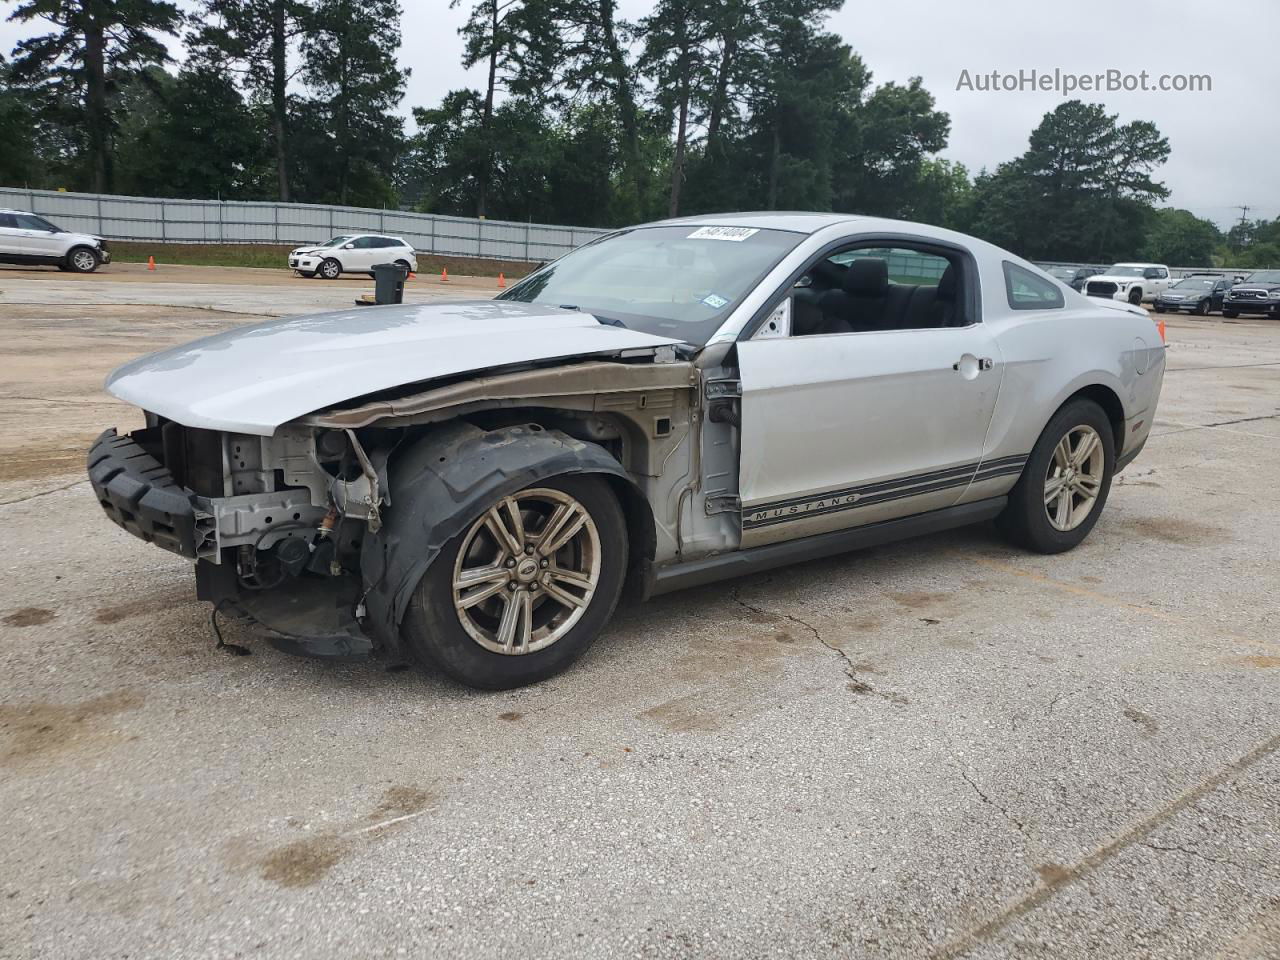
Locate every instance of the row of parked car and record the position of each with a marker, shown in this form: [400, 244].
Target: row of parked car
[1200, 293]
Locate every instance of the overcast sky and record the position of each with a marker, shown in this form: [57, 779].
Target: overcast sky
[1233, 41]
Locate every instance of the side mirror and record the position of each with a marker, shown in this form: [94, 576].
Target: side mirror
[349, 246]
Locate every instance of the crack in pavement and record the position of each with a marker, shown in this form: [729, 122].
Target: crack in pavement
[70, 400]
[1189, 852]
[43, 493]
[1136, 834]
[1022, 827]
[855, 685]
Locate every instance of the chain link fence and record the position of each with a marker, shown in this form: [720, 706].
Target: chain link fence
[234, 221]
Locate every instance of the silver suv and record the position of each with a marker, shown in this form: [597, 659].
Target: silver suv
[28, 238]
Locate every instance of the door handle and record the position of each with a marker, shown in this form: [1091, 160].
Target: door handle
[982, 363]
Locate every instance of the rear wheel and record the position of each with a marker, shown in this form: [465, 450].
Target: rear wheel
[330, 269]
[525, 589]
[82, 260]
[1065, 484]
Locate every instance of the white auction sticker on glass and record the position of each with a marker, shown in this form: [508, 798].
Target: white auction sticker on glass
[734, 234]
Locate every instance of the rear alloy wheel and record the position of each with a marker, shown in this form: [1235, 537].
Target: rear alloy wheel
[1065, 484]
[82, 260]
[330, 269]
[525, 589]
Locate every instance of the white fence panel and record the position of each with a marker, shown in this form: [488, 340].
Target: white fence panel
[213, 221]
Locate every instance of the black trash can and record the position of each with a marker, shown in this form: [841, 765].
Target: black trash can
[388, 282]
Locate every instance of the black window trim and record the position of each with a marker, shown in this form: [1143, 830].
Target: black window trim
[971, 284]
[1007, 266]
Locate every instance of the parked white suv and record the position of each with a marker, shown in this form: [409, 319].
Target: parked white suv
[351, 253]
[1133, 282]
[28, 238]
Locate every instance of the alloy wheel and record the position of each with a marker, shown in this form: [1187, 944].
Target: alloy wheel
[526, 571]
[1074, 478]
[84, 261]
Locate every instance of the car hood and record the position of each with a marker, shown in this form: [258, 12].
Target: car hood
[1113, 278]
[256, 378]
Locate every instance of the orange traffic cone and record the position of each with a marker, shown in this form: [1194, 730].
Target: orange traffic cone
[1160, 327]
[412, 275]
[444, 275]
[502, 281]
[151, 263]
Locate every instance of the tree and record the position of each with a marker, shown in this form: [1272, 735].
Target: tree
[95, 44]
[681, 63]
[195, 138]
[349, 59]
[510, 38]
[18, 159]
[253, 38]
[1082, 191]
[1179, 237]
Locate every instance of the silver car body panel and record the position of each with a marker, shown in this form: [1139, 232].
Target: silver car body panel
[847, 429]
[254, 379]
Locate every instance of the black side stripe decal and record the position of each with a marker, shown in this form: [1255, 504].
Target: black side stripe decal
[884, 491]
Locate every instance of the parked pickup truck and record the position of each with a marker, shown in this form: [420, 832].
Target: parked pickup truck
[1134, 282]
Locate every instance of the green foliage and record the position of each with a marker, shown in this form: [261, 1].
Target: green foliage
[1082, 191]
[582, 118]
[1179, 237]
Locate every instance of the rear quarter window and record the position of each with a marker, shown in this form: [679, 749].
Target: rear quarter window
[1028, 291]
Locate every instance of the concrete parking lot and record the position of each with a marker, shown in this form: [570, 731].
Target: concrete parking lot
[944, 747]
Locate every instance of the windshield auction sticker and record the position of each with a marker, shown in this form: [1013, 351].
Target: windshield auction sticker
[734, 234]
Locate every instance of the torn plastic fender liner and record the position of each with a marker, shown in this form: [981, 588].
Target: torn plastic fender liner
[439, 486]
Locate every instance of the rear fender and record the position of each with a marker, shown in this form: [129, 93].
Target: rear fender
[439, 486]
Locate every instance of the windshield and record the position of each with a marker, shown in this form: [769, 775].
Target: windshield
[1194, 283]
[1120, 270]
[1264, 276]
[335, 241]
[679, 282]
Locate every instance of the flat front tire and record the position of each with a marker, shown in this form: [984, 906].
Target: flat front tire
[525, 589]
[1064, 487]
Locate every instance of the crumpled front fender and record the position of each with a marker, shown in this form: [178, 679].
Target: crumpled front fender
[442, 484]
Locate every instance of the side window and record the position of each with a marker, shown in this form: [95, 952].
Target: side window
[1027, 291]
[869, 288]
[1162, 273]
[8, 221]
[27, 222]
[363, 243]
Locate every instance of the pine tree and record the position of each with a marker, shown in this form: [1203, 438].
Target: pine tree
[94, 44]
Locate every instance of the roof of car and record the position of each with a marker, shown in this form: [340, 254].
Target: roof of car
[799, 221]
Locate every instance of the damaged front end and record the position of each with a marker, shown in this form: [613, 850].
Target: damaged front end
[273, 523]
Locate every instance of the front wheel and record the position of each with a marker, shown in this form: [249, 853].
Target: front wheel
[82, 260]
[1202, 308]
[1159, 308]
[525, 589]
[330, 269]
[1065, 483]
[1230, 314]
[1135, 296]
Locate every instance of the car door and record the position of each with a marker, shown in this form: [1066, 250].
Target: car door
[842, 429]
[358, 255]
[38, 237]
[10, 236]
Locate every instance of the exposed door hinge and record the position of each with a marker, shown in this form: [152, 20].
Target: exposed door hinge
[721, 389]
[725, 504]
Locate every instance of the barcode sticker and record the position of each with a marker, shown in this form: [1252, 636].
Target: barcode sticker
[733, 234]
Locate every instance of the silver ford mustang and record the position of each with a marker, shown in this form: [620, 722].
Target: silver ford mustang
[471, 484]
